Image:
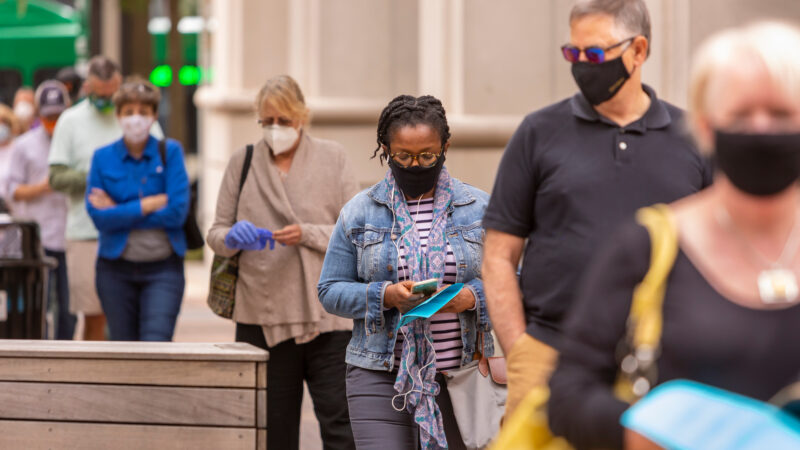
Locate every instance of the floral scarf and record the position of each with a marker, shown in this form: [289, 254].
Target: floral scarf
[415, 381]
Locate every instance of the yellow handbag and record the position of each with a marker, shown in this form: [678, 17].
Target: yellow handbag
[527, 428]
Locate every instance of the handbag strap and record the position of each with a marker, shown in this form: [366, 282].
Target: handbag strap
[248, 158]
[645, 319]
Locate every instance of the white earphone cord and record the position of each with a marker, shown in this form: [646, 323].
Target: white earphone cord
[413, 380]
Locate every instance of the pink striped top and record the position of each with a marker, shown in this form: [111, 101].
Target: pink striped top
[445, 327]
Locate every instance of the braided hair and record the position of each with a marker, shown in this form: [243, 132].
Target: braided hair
[407, 110]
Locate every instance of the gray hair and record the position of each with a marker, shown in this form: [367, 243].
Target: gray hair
[103, 68]
[629, 15]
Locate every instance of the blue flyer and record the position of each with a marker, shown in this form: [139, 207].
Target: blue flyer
[430, 306]
[683, 414]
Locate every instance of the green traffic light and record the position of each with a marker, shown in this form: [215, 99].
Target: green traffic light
[189, 75]
[161, 76]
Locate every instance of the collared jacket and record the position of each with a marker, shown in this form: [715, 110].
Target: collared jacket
[362, 261]
[127, 180]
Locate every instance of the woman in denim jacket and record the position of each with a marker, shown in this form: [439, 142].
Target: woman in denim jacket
[416, 224]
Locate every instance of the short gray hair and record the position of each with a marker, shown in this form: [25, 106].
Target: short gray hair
[103, 68]
[630, 15]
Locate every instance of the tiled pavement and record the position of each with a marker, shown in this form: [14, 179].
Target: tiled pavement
[196, 323]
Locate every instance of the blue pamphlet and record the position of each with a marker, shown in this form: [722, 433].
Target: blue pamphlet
[689, 415]
[430, 306]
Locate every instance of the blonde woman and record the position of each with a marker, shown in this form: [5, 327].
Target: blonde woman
[293, 191]
[730, 311]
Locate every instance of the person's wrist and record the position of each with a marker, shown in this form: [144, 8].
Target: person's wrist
[387, 297]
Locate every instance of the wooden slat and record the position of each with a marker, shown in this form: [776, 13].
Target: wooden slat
[261, 408]
[184, 351]
[261, 375]
[261, 439]
[89, 436]
[119, 371]
[128, 404]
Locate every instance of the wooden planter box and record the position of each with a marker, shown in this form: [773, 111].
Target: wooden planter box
[132, 395]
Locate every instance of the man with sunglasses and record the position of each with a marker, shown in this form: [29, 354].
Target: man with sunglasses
[80, 130]
[573, 171]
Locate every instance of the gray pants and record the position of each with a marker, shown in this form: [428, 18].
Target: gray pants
[376, 425]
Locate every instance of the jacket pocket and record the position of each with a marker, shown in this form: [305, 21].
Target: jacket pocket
[473, 241]
[368, 249]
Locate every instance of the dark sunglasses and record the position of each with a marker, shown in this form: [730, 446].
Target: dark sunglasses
[595, 55]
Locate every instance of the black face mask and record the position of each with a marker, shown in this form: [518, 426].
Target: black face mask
[415, 181]
[600, 82]
[758, 164]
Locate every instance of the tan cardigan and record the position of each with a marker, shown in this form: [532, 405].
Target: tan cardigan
[277, 289]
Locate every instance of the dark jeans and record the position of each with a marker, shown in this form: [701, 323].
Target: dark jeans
[141, 300]
[64, 321]
[321, 364]
[377, 426]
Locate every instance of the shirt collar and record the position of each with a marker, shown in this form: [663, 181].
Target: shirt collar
[150, 149]
[656, 116]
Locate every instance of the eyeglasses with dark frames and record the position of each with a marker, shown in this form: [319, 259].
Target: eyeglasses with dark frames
[424, 159]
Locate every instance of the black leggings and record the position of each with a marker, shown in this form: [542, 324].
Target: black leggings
[321, 364]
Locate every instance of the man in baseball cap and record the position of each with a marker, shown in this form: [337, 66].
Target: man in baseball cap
[33, 199]
[51, 100]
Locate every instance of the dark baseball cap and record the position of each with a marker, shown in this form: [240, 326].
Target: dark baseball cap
[51, 98]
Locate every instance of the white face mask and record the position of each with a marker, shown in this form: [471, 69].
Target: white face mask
[280, 138]
[136, 128]
[5, 133]
[24, 111]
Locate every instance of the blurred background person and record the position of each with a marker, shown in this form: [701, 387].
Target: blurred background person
[9, 130]
[72, 81]
[82, 129]
[29, 188]
[730, 312]
[24, 109]
[396, 391]
[295, 187]
[138, 202]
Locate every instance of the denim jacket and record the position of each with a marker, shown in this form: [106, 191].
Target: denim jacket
[362, 261]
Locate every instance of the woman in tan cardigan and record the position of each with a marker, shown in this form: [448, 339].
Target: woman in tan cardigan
[294, 189]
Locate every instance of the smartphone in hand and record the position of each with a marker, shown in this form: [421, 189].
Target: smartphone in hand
[426, 287]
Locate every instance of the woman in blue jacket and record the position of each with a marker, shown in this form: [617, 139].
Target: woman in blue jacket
[138, 197]
[416, 224]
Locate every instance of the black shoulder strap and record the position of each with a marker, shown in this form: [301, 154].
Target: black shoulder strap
[248, 156]
[246, 166]
[162, 150]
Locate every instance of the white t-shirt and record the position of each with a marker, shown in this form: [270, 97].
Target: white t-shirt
[80, 131]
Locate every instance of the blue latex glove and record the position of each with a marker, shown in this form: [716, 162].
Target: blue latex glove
[265, 236]
[244, 236]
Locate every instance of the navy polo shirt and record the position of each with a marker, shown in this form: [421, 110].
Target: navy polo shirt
[569, 177]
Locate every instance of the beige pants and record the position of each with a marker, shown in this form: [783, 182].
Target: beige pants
[81, 259]
[529, 364]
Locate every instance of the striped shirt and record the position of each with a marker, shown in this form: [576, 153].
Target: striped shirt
[445, 327]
